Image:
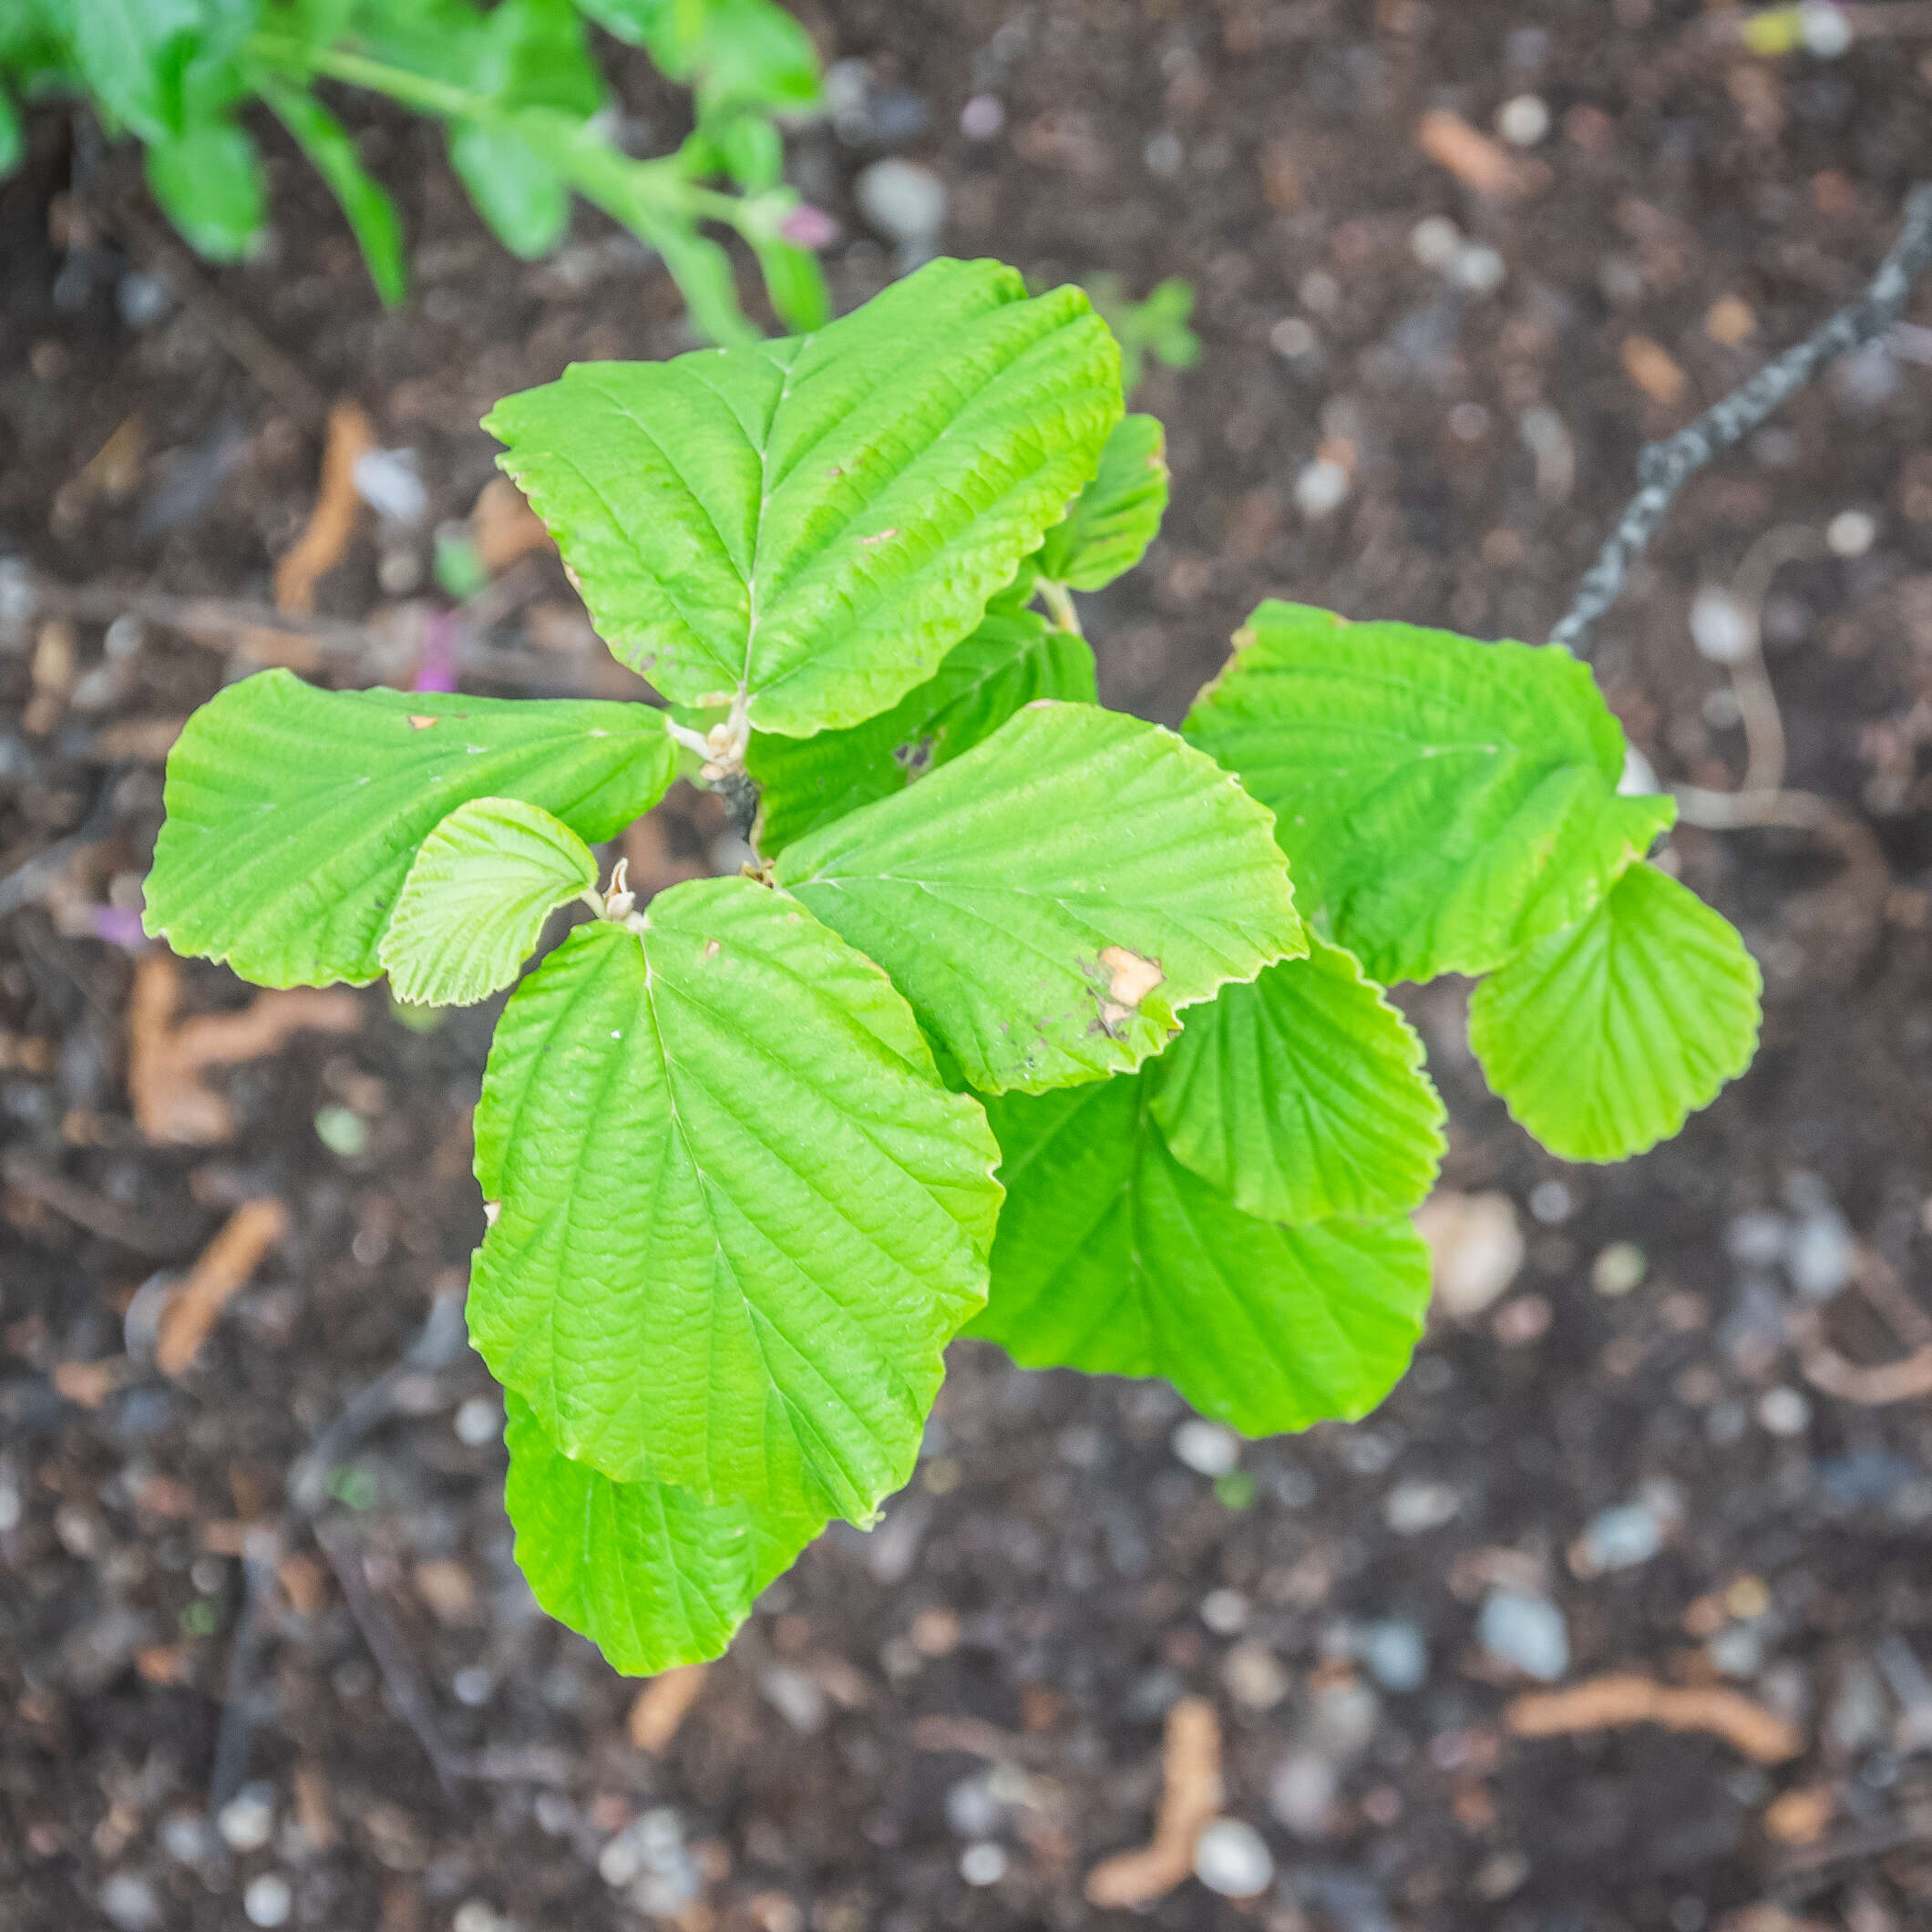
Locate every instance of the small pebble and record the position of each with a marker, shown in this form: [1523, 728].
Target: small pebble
[1163, 154]
[1319, 291]
[1292, 337]
[795, 1697]
[1477, 1246]
[129, 1902]
[1821, 1254]
[1850, 533]
[142, 299]
[1207, 1448]
[1396, 1655]
[386, 479]
[1528, 1632]
[248, 1818]
[342, 1131]
[1827, 33]
[1301, 1793]
[1738, 1651]
[477, 1915]
[982, 117]
[1416, 1505]
[983, 1864]
[1230, 1857]
[972, 1810]
[1434, 239]
[1759, 1239]
[904, 201]
[1720, 628]
[1225, 1612]
[268, 1900]
[473, 1685]
[1342, 1718]
[1477, 267]
[479, 1420]
[1619, 1538]
[1783, 1410]
[1551, 1202]
[1469, 422]
[1255, 1677]
[1620, 1269]
[1524, 120]
[1321, 488]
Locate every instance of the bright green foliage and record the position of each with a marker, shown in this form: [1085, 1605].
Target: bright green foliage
[1302, 1096]
[294, 815]
[1113, 1257]
[1116, 517]
[1442, 802]
[1155, 327]
[515, 85]
[1015, 657]
[474, 904]
[806, 526]
[1052, 899]
[1602, 1037]
[806, 1211]
[740, 1187]
[651, 1575]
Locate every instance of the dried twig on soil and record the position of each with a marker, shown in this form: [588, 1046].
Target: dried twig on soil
[1190, 1797]
[331, 522]
[1603, 1703]
[1664, 468]
[1877, 1387]
[1480, 164]
[664, 1705]
[172, 1105]
[223, 1268]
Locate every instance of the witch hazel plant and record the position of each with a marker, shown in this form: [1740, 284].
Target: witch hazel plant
[1031, 1021]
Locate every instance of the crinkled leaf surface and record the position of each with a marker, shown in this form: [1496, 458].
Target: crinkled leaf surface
[1301, 1095]
[1602, 1038]
[1113, 1257]
[739, 1218]
[816, 521]
[1118, 515]
[1444, 802]
[1015, 657]
[654, 1577]
[473, 907]
[294, 814]
[1050, 901]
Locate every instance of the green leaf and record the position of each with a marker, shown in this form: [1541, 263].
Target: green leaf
[133, 54]
[1442, 802]
[330, 151]
[1113, 1257]
[12, 141]
[739, 1218]
[475, 902]
[813, 523]
[654, 1577]
[1015, 657]
[294, 814]
[747, 50]
[209, 181]
[794, 282]
[1118, 515]
[1050, 901]
[1302, 1096]
[528, 207]
[1604, 1037]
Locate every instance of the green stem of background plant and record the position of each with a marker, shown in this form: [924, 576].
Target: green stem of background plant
[1059, 602]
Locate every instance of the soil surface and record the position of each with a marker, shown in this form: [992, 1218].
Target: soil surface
[950, 1721]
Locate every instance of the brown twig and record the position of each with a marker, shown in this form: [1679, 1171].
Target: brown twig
[1877, 1387]
[1603, 1703]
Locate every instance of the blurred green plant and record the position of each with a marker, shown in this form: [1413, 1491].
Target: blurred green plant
[528, 116]
[1156, 325]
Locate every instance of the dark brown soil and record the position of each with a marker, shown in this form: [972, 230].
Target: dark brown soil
[857, 1739]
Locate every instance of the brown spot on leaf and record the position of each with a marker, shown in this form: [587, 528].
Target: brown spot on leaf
[1134, 977]
[711, 949]
[877, 536]
[420, 721]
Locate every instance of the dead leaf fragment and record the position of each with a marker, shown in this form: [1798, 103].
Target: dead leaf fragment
[331, 522]
[504, 527]
[172, 1105]
[1652, 367]
[1191, 1766]
[663, 1705]
[1603, 1703]
[1477, 162]
[221, 1271]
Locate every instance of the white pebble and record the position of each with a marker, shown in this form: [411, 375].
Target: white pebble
[1524, 120]
[1619, 1538]
[1301, 1793]
[1225, 1612]
[1291, 337]
[795, 1697]
[982, 118]
[1850, 533]
[972, 1810]
[1783, 1410]
[1207, 1448]
[983, 1864]
[1621, 1267]
[1321, 488]
[1163, 154]
[479, 1420]
[1397, 1655]
[131, 1903]
[1528, 1632]
[1476, 1245]
[1551, 1201]
[247, 1819]
[904, 201]
[386, 479]
[1821, 1255]
[1434, 239]
[1416, 1505]
[268, 1900]
[1827, 33]
[1231, 1858]
[1721, 627]
[1759, 1239]
[1254, 1676]
[1477, 267]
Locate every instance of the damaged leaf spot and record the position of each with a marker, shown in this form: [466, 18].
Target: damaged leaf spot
[1134, 977]
[914, 759]
[881, 537]
[420, 721]
[491, 1209]
[711, 949]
